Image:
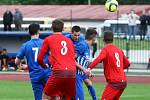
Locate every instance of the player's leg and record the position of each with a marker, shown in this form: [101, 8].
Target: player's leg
[38, 90]
[52, 87]
[90, 87]
[109, 93]
[69, 90]
[45, 97]
[79, 88]
[118, 94]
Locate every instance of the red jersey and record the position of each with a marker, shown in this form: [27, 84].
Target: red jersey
[114, 62]
[62, 55]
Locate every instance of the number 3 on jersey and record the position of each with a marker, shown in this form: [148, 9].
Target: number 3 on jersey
[64, 49]
[118, 60]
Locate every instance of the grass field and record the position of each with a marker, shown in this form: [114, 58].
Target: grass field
[21, 90]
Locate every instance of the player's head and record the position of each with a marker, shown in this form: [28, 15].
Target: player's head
[57, 25]
[90, 35]
[34, 29]
[132, 11]
[75, 32]
[108, 37]
[4, 51]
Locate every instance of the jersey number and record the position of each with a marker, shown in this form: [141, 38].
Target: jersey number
[35, 53]
[118, 60]
[64, 49]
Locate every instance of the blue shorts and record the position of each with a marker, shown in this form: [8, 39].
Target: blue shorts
[79, 87]
[38, 86]
[84, 76]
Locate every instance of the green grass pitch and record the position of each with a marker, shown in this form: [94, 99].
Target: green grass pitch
[21, 90]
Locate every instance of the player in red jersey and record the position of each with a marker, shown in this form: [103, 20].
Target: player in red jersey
[62, 59]
[114, 62]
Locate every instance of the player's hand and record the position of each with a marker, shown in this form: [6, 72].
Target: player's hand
[45, 66]
[90, 74]
[87, 72]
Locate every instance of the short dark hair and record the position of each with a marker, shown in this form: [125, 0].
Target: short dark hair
[57, 25]
[108, 37]
[4, 49]
[76, 29]
[90, 33]
[34, 28]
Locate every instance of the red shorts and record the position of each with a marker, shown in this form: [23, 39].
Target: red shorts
[110, 93]
[62, 86]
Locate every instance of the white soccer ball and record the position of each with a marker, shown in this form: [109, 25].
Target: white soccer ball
[111, 5]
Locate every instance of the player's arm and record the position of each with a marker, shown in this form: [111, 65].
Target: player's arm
[17, 61]
[81, 68]
[126, 62]
[99, 59]
[42, 53]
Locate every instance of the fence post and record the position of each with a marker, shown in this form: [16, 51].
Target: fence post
[127, 50]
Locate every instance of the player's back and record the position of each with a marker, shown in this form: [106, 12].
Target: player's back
[62, 52]
[30, 50]
[113, 64]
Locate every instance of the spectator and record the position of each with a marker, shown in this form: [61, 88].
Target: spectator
[132, 18]
[7, 20]
[148, 25]
[18, 18]
[4, 58]
[143, 25]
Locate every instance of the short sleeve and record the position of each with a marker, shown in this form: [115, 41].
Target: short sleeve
[21, 53]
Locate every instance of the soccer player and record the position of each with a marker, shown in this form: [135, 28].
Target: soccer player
[114, 62]
[30, 50]
[81, 49]
[62, 59]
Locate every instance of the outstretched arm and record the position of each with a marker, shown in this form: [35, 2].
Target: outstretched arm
[99, 59]
[42, 53]
[126, 62]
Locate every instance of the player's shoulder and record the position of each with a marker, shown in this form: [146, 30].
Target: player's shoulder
[68, 35]
[83, 42]
[112, 47]
[117, 48]
[82, 37]
[26, 43]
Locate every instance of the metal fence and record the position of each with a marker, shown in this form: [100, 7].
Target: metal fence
[138, 51]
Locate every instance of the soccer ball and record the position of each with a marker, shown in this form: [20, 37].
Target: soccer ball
[111, 5]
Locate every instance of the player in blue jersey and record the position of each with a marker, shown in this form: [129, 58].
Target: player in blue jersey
[30, 49]
[82, 49]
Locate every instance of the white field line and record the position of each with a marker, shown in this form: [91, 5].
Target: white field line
[129, 70]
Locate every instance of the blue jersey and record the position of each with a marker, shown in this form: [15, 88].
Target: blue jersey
[81, 47]
[82, 51]
[83, 61]
[30, 50]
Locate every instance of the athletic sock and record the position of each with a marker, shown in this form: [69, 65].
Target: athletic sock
[92, 92]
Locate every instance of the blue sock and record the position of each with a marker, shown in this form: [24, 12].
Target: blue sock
[92, 92]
